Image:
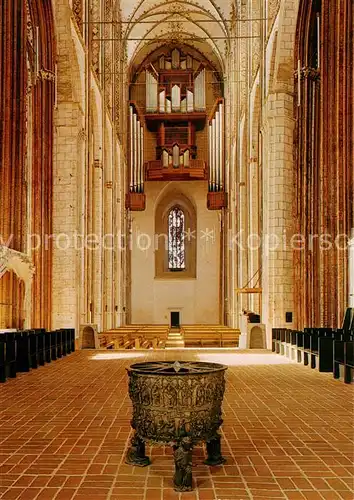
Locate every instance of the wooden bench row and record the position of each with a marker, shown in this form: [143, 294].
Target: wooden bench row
[106, 342]
[21, 351]
[132, 341]
[323, 348]
[343, 355]
[210, 336]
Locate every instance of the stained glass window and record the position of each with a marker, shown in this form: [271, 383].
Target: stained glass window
[176, 249]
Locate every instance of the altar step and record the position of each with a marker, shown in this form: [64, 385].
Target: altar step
[175, 338]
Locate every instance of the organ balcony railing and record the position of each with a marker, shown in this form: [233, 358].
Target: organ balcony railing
[157, 170]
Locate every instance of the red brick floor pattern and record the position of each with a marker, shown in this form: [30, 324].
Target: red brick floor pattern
[287, 433]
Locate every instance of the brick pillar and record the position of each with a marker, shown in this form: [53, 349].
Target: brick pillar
[13, 82]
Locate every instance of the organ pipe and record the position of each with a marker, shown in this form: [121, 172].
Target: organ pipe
[213, 154]
[131, 147]
[190, 104]
[137, 166]
[151, 93]
[216, 151]
[136, 182]
[211, 178]
[141, 187]
[184, 105]
[175, 153]
[165, 158]
[135, 134]
[186, 158]
[162, 104]
[221, 144]
[176, 98]
[199, 91]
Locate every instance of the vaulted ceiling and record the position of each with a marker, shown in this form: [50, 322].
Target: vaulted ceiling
[201, 24]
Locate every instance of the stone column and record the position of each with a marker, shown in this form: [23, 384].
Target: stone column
[277, 259]
[65, 215]
[120, 235]
[242, 218]
[97, 226]
[82, 215]
[253, 241]
[108, 236]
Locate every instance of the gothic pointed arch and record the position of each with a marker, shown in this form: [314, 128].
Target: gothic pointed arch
[175, 233]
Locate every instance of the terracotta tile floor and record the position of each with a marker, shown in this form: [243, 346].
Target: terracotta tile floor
[287, 433]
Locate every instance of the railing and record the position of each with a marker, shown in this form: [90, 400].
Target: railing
[154, 170]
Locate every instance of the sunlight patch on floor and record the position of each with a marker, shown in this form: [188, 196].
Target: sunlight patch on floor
[117, 355]
[244, 358]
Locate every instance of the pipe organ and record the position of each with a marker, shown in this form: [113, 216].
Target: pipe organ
[179, 89]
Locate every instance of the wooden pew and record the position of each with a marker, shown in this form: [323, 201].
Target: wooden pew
[23, 357]
[41, 345]
[203, 337]
[158, 343]
[22, 351]
[105, 342]
[137, 342]
[313, 346]
[210, 335]
[128, 343]
[145, 344]
[3, 365]
[139, 336]
[321, 347]
[343, 355]
[33, 345]
[48, 347]
[278, 340]
[230, 338]
[7, 356]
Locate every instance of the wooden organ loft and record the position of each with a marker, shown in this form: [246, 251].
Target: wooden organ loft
[177, 106]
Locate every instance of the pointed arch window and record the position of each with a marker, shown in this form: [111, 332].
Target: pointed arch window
[176, 247]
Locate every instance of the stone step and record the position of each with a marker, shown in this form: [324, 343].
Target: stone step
[175, 343]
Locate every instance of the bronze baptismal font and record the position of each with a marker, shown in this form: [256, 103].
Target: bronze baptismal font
[179, 404]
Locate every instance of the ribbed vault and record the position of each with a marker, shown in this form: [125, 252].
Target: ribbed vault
[203, 25]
